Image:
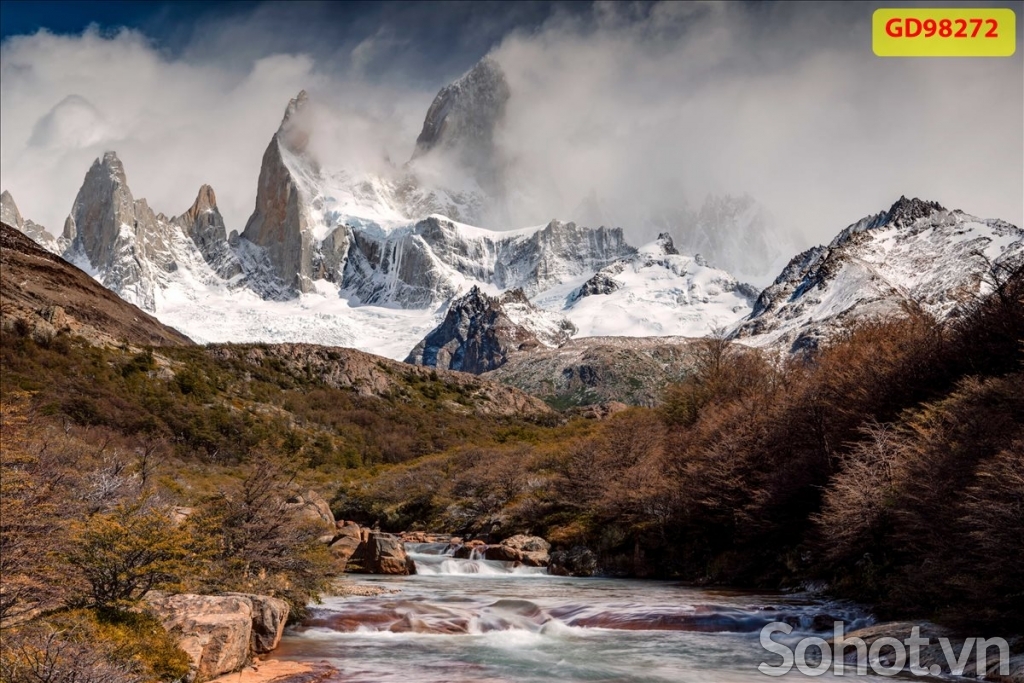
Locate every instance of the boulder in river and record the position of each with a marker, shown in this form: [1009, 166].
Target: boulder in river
[344, 544]
[529, 550]
[576, 561]
[382, 553]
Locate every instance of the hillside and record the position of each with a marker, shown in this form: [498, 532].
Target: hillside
[50, 294]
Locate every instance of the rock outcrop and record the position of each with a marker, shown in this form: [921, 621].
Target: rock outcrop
[575, 561]
[601, 283]
[479, 332]
[531, 551]
[220, 633]
[381, 553]
[932, 655]
[596, 370]
[312, 507]
[369, 375]
[345, 543]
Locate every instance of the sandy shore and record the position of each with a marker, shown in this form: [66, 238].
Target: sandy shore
[279, 671]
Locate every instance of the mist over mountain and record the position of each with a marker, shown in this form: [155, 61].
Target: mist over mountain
[633, 115]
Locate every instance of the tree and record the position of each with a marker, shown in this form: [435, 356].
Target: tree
[127, 552]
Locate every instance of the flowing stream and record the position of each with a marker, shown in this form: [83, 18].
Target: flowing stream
[484, 621]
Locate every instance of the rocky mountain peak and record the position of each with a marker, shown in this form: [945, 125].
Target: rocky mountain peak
[906, 211]
[295, 105]
[480, 331]
[295, 130]
[464, 116]
[667, 245]
[206, 202]
[9, 213]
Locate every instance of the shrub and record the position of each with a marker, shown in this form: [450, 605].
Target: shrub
[87, 646]
[127, 552]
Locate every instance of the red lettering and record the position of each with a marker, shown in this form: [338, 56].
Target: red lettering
[893, 28]
[913, 27]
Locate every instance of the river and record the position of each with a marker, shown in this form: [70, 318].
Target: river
[462, 621]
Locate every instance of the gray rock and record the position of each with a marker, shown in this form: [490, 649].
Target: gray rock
[576, 561]
[476, 336]
[463, 118]
[204, 224]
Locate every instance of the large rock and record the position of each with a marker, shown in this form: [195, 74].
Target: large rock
[215, 631]
[312, 506]
[933, 654]
[269, 617]
[479, 331]
[382, 553]
[529, 550]
[221, 632]
[576, 561]
[344, 545]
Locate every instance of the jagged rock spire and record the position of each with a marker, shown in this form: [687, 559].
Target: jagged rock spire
[9, 213]
[463, 118]
[905, 211]
[280, 222]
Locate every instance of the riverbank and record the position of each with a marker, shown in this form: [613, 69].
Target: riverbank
[279, 671]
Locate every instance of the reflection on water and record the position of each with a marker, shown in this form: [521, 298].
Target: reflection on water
[484, 621]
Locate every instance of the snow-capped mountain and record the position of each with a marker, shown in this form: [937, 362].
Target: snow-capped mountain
[653, 291]
[916, 252]
[732, 232]
[379, 261]
[136, 252]
[329, 258]
[10, 215]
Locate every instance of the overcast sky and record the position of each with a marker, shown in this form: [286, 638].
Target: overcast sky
[642, 105]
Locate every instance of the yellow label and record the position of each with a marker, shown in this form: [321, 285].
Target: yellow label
[971, 32]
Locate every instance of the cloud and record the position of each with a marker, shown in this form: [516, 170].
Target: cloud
[631, 107]
[73, 123]
[647, 106]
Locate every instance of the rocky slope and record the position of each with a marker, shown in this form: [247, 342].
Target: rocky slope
[915, 253]
[373, 376]
[599, 369]
[49, 294]
[650, 291]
